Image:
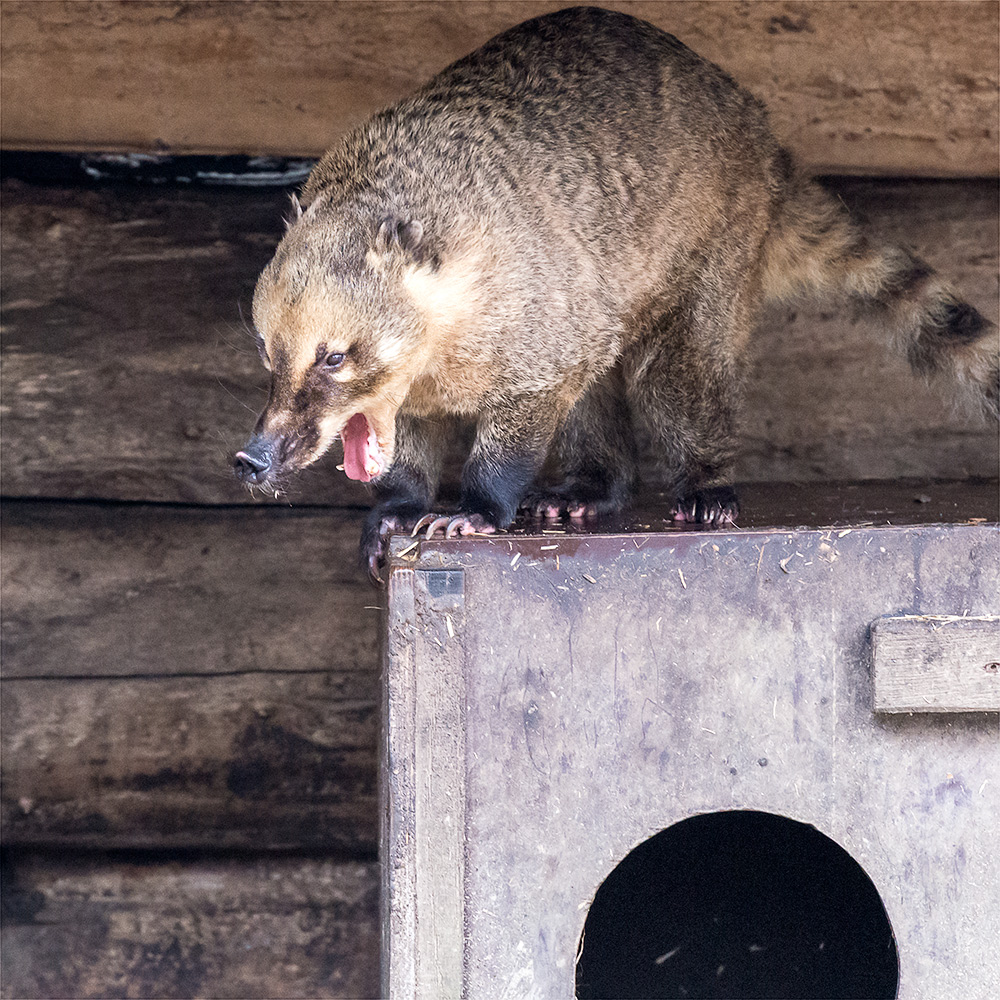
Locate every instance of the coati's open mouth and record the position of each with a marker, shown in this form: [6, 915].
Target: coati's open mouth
[363, 456]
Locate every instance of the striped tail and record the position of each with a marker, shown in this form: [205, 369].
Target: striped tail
[815, 248]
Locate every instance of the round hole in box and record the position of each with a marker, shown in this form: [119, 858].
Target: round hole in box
[738, 904]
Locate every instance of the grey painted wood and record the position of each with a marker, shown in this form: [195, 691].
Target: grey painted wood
[127, 373]
[937, 663]
[142, 926]
[617, 684]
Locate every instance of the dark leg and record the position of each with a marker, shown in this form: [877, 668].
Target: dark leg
[512, 439]
[595, 453]
[682, 386]
[406, 492]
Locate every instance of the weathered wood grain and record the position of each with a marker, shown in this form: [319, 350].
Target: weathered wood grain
[134, 926]
[827, 401]
[187, 677]
[891, 88]
[936, 664]
[127, 373]
[255, 761]
[127, 591]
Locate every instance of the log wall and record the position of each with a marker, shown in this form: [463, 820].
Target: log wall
[129, 373]
[855, 87]
[136, 925]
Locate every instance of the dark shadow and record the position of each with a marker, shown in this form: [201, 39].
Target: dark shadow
[738, 904]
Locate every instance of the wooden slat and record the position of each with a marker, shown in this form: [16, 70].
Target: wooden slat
[890, 88]
[127, 371]
[256, 761]
[187, 677]
[130, 926]
[93, 591]
[127, 374]
[936, 663]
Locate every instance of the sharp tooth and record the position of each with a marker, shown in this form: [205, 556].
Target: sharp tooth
[373, 468]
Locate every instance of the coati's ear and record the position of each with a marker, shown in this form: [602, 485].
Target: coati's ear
[296, 211]
[408, 236]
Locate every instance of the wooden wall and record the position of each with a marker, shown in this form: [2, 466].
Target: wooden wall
[856, 87]
[190, 678]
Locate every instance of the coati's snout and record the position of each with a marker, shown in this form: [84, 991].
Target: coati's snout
[271, 454]
[289, 438]
[252, 465]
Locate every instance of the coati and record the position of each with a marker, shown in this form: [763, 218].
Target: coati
[566, 236]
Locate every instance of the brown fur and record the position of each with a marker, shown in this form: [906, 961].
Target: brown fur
[566, 236]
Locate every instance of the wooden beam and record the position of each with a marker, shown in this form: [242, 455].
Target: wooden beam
[254, 761]
[871, 87]
[936, 663]
[129, 925]
[145, 591]
[199, 677]
[128, 374]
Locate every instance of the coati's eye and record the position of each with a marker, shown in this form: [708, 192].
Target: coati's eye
[333, 361]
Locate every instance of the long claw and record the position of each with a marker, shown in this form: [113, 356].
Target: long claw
[451, 525]
[439, 522]
[461, 525]
[714, 507]
[422, 523]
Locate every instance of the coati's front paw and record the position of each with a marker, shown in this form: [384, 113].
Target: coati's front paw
[375, 540]
[715, 506]
[453, 524]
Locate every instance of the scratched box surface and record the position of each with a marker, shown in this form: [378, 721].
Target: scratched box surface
[552, 699]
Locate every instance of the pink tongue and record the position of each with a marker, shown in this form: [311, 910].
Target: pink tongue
[356, 454]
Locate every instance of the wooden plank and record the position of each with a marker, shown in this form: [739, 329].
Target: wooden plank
[127, 370]
[936, 663]
[112, 591]
[187, 677]
[871, 87]
[255, 761]
[134, 926]
[127, 374]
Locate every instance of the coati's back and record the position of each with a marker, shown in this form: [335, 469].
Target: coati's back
[597, 152]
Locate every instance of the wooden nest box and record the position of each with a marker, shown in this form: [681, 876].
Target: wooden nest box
[669, 762]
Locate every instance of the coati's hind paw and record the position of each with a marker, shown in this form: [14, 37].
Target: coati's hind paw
[453, 524]
[715, 506]
[552, 508]
[576, 504]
